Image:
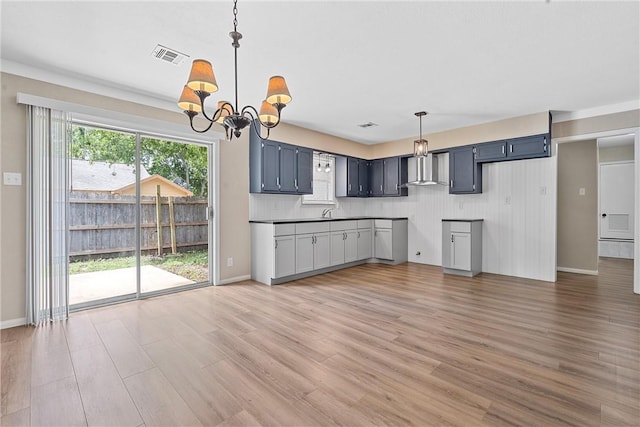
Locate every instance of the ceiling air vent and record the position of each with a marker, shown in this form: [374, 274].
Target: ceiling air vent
[169, 55]
[368, 125]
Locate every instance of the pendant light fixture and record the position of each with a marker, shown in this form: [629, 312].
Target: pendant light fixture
[327, 168]
[420, 146]
[202, 83]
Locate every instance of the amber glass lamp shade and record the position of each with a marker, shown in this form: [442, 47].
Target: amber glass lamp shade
[189, 101]
[201, 77]
[278, 92]
[268, 113]
[420, 148]
[226, 110]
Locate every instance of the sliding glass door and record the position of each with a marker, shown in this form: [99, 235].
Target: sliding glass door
[139, 220]
[174, 224]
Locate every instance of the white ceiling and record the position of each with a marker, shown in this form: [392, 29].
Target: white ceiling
[348, 63]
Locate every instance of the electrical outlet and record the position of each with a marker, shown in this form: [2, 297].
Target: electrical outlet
[418, 253]
[543, 190]
[582, 191]
[230, 262]
[12, 178]
[507, 200]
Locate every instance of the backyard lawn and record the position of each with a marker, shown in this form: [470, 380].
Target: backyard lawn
[191, 265]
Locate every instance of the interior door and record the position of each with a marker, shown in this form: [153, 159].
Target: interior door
[616, 200]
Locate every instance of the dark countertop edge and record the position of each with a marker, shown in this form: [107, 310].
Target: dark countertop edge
[461, 220]
[294, 221]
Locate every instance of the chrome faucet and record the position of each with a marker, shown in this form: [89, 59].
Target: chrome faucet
[327, 213]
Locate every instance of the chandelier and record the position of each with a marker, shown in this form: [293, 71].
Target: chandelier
[420, 146]
[202, 83]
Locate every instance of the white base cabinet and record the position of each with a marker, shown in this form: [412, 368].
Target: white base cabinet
[364, 236]
[287, 251]
[462, 246]
[284, 255]
[390, 240]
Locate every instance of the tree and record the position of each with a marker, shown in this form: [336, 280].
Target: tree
[184, 164]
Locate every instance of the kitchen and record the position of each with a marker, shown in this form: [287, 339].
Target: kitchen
[517, 202]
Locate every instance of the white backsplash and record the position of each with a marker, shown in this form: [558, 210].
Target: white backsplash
[518, 205]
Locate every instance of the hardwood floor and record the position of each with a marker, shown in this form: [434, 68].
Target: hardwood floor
[370, 345]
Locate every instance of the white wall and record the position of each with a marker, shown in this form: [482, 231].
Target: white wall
[518, 205]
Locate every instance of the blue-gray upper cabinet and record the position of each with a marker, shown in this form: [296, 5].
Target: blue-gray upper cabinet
[304, 161]
[276, 167]
[350, 181]
[465, 174]
[363, 178]
[376, 178]
[288, 168]
[526, 147]
[491, 151]
[395, 174]
[529, 147]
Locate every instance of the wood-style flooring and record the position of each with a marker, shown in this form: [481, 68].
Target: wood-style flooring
[370, 345]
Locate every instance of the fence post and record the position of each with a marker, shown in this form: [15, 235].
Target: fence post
[159, 219]
[172, 225]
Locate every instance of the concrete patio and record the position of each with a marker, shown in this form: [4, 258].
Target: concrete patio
[98, 285]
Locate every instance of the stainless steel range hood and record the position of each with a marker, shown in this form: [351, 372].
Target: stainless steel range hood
[423, 170]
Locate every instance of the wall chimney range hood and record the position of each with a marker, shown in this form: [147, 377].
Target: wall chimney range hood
[423, 170]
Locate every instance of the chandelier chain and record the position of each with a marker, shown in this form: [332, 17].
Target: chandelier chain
[235, 15]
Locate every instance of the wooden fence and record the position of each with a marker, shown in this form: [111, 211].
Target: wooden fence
[104, 225]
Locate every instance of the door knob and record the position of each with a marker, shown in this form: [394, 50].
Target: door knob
[604, 215]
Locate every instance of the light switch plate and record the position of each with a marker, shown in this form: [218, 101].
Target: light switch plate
[12, 178]
[582, 192]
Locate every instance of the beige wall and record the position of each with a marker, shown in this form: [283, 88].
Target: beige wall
[578, 215]
[624, 120]
[616, 154]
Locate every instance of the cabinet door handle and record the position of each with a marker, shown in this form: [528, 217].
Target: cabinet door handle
[349, 187]
[381, 188]
[295, 182]
[360, 188]
[452, 238]
[276, 244]
[451, 184]
[344, 236]
[278, 181]
[511, 148]
[358, 234]
[503, 149]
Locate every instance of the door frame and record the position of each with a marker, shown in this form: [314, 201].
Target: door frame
[595, 135]
[213, 200]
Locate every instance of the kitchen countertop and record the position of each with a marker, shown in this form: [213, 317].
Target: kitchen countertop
[461, 220]
[297, 220]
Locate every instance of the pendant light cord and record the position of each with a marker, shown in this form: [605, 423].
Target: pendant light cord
[236, 45]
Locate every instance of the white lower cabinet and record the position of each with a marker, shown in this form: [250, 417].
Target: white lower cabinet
[383, 239]
[344, 242]
[313, 246]
[284, 256]
[287, 251]
[462, 246]
[313, 251]
[365, 244]
[390, 240]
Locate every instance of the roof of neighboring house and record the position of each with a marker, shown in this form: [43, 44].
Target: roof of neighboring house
[102, 176]
[161, 180]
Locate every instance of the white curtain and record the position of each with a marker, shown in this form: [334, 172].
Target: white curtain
[48, 136]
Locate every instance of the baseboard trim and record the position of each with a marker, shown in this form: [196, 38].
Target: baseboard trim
[234, 279]
[578, 271]
[12, 323]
